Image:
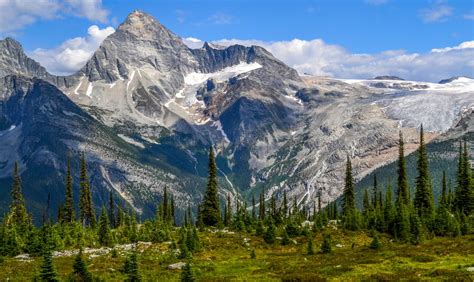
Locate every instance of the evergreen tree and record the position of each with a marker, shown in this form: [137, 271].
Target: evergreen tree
[464, 197]
[68, 210]
[210, 208]
[374, 192]
[310, 248]
[254, 211]
[228, 212]
[366, 202]
[403, 190]
[105, 238]
[87, 214]
[120, 220]
[375, 244]
[18, 215]
[348, 193]
[48, 271]
[187, 274]
[444, 197]
[130, 268]
[80, 271]
[285, 204]
[285, 239]
[326, 245]
[424, 196]
[270, 234]
[111, 209]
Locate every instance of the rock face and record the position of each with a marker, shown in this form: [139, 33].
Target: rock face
[146, 107]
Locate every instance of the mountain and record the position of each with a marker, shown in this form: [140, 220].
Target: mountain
[146, 108]
[387, 77]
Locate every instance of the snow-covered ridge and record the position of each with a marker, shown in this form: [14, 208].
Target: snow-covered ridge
[195, 78]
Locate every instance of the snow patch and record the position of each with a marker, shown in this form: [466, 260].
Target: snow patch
[195, 78]
[78, 86]
[131, 141]
[89, 89]
[131, 79]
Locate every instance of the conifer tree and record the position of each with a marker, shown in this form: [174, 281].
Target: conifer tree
[326, 245]
[374, 192]
[348, 193]
[111, 209]
[48, 271]
[444, 196]
[270, 234]
[87, 214]
[18, 214]
[105, 237]
[187, 274]
[403, 190]
[375, 244]
[228, 212]
[310, 248]
[130, 268]
[254, 211]
[210, 208]
[120, 220]
[366, 202]
[80, 271]
[464, 197]
[424, 196]
[68, 210]
[285, 239]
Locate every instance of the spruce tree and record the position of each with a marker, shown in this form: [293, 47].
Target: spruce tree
[464, 197]
[87, 214]
[111, 209]
[210, 208]
[270, 234]
[375, 244]
[130, 267]
[80, 271]
[366, 202]
[68, 210]
[285, 239]
[18, 215]
[187, 274]
[310, 248]
[48, 271]
[105, 237]
[326, 245]
[424, 196]
[444, 196]
[348, 193]
[403, 190]
[374, 192]
[254, 211]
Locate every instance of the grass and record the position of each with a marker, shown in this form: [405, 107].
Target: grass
[226, 256]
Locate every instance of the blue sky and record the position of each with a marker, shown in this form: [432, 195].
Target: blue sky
[357, 26]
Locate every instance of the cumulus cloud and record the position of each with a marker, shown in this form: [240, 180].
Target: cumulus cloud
[16, 14]
[72, 54]
[316, 57]
[437, 13]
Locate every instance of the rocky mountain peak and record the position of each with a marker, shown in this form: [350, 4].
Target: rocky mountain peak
[146, 27]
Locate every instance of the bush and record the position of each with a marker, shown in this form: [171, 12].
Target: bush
[326, 245]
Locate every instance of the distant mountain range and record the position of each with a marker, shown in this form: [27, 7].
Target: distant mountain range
[145, 109]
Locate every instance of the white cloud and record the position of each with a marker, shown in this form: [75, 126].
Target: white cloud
[72, 54]
[469, 16]
[221, 18]
[437, 13]
[16, 14]
[316, 57]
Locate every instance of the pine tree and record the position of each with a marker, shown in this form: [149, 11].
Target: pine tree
[111, 209]
[87, 214]
[285, 239]
[18, 214]
[210, 208]
[119, 221]
[464, 197]
[187, 274]
[375, 244]
[285, 205]
[270, 234]
[48, 271]
[374, 192]
[228, 212]
[130, 268]
[326, 245]
[424, 196]
[105, 237]
[310, 248]
[366, 202]
[403, 190]
[80, 271]
[68, 210]
[254, 211]
[444, 197]
[348, 193]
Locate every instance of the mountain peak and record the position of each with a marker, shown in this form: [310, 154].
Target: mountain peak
[144, 25]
